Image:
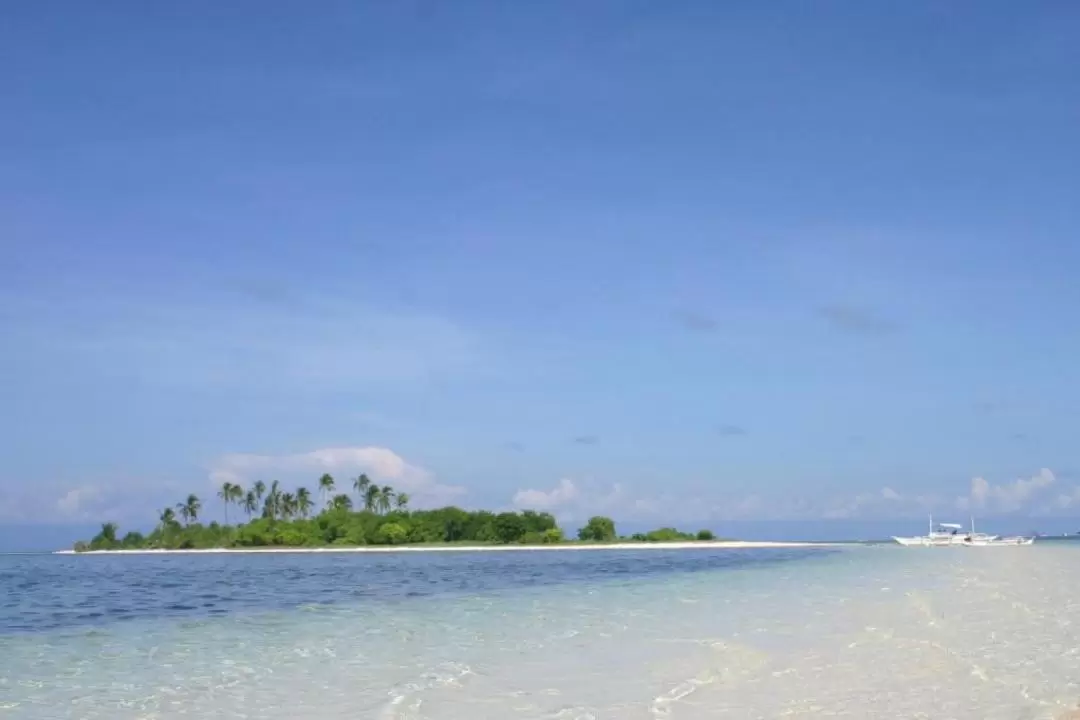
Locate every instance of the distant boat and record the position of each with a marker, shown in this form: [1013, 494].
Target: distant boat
[945, 535]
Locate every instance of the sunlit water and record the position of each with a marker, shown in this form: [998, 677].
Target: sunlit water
[863, 632]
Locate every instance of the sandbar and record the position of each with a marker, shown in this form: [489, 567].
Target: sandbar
[690, 545]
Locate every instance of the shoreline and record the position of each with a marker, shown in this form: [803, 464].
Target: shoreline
[702, 544]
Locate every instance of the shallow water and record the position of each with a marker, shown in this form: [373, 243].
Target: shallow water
[864, 632]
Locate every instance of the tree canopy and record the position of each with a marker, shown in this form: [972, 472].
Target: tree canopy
[598, 529]
[380, 516]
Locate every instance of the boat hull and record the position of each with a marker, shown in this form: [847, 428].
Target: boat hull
[1002, 542]
[948, 540]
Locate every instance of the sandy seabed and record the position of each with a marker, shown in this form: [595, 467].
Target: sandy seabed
[717, 545]
[875, 633]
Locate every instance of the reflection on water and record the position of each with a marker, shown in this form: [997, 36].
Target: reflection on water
[863, 633]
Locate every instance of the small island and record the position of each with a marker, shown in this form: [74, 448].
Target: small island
[277, 518]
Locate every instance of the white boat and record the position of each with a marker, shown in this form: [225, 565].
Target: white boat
[939, 535]
[944, 535]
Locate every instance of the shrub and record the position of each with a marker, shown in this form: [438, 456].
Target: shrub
[393, 533]
[598, 529]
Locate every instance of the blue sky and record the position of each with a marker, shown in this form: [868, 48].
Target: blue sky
[669, 261]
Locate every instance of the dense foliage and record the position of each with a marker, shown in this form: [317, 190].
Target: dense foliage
[672, 535]
[277, 518]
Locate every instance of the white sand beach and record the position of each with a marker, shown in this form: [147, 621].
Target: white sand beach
[690, 545]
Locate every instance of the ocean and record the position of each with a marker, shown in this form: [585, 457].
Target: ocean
[852, 632]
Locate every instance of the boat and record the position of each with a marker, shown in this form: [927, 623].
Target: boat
[981, 540]
[1000, 542]
[945, 535]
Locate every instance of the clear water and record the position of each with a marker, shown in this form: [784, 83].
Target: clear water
[870, 632]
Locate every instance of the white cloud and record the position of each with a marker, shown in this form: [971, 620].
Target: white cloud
[559, 496]
[577, 500]
[884, 501]
[1028, 495]
[76, 504]
[1068, 500]
[382, 464]
[1008, 497]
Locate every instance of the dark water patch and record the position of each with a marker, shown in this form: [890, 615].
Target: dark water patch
[47, 592]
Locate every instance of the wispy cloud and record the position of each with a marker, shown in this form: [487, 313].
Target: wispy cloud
[563, 494]
[76, 502]
[855, 320]
[128, 500]
[576, 500]
[135, 501]
[880, 502]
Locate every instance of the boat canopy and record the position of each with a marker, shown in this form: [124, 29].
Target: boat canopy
[951, 526]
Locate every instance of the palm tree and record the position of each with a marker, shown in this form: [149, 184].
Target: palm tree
[167, 520]
[362, 484]
[237, 496]
[251, 503]
[288, 505]
[194, 506]
[341, 502]
[386, 496]
[401, 502]
[326, 486]
[260, 490]
[371, 497]
[272, 506]
[226, 495]
[303, 500]
[189, 510]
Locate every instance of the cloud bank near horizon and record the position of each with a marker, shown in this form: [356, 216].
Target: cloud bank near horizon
[571, 499]
[1042, 494]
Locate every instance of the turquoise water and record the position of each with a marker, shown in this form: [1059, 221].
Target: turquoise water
[859, 632]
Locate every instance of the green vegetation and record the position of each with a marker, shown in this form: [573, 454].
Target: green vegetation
[672, 535]
[279, 518]
[598, 529]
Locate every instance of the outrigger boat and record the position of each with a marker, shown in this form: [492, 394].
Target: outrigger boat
[940, 535]
[948, 534]
[980, 540]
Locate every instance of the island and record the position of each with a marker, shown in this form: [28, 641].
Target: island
[381, 518]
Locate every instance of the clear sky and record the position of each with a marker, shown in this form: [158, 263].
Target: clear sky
[673, 262]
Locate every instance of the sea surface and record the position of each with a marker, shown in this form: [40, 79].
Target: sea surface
[853, 632]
